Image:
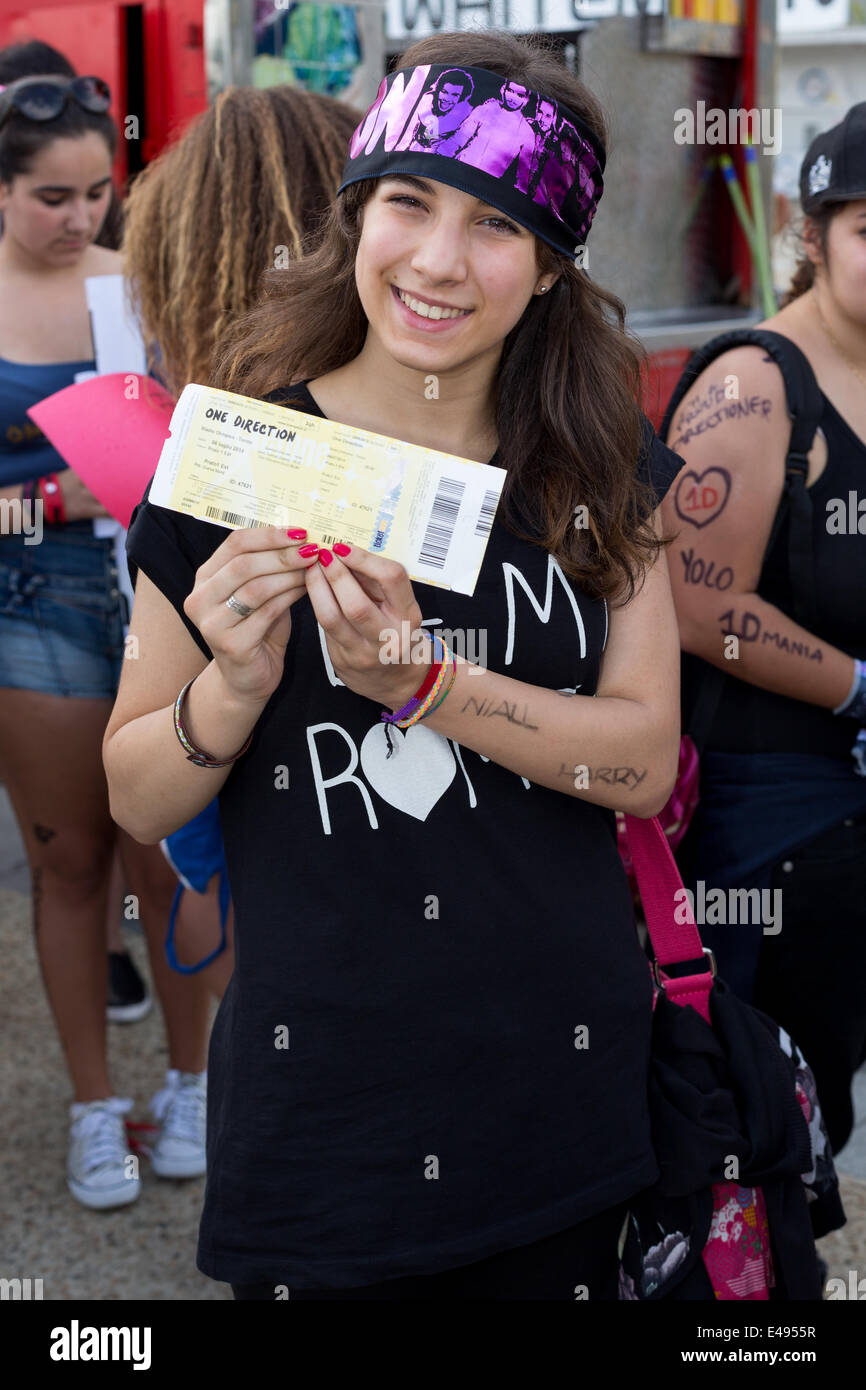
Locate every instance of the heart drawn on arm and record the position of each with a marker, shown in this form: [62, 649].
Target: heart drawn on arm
[701, 497]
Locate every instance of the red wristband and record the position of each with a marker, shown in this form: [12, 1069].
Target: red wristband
[55, 510]
[424, 688]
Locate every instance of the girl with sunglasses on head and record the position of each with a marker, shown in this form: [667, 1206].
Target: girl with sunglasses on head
[128, 996]
[61, 637]
[34, 58]
[429, 1071]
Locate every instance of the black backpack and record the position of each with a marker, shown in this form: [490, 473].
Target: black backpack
[805, 406]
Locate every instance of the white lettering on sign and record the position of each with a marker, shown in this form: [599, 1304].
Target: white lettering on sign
[415, 19]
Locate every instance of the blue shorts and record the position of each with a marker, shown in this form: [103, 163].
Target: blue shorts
[61, 613]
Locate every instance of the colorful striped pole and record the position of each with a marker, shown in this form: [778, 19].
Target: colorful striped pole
[762, 246]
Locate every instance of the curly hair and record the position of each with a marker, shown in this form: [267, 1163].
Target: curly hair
[246, 185]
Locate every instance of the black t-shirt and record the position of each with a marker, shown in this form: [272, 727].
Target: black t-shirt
[435, 1042]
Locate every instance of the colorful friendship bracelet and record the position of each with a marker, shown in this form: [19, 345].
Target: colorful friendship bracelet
[197, 755]
[426, 702]
[430, 698]
[426, 685]
[444, 692]
[429, 695]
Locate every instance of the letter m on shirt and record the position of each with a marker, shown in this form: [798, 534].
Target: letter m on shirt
[512, 573]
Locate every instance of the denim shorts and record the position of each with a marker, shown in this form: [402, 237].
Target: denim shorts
[61, 613]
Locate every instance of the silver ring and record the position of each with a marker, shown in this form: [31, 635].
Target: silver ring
[237, 607]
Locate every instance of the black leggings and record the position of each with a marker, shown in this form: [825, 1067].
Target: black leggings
[580, 1263]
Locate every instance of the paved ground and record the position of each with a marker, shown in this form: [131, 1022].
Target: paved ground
[147, 1251]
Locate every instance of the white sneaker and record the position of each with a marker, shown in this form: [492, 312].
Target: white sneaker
[181, 1109]
[99, 1173]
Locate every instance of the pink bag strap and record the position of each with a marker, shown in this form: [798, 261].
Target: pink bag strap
[662, 894]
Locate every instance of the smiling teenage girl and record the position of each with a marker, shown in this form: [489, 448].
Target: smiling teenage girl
[428, 1075]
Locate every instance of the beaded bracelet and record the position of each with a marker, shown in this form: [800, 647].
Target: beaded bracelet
[197, 755]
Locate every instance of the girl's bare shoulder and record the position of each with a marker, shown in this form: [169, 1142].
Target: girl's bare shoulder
[99, 260]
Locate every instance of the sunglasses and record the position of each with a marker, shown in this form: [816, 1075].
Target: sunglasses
[44, 98]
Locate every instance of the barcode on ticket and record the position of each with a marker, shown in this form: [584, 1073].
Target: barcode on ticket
[486, 514]
[440, 526]
[232, 518]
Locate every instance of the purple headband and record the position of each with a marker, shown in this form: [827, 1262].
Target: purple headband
[518, 150]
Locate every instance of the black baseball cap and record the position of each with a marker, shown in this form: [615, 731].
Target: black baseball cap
[834, 170]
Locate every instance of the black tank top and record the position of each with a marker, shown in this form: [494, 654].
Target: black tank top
[751, 720]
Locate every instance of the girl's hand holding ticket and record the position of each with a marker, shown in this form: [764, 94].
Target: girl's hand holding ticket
[261, 569]
[358, 596]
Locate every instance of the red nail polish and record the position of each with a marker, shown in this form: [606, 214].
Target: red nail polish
[325, 557]
[298, 535]
[341, 549]
[307, 550]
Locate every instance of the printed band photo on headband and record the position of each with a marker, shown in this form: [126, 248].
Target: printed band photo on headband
[518, 150]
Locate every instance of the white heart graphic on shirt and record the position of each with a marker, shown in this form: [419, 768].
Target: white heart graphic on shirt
[419, 771]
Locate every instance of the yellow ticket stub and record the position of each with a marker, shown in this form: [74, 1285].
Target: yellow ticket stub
[237, 462]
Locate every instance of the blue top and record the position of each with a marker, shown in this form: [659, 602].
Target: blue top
[24, 451]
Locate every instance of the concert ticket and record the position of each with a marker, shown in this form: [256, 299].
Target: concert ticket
[241, 462]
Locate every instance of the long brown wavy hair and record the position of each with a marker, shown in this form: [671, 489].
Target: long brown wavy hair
[568, 383]
[247, 184]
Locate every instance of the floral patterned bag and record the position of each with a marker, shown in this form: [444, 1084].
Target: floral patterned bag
[732, 1100]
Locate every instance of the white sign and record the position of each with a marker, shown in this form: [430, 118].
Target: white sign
[117, 340]
[415, 19]
[799, 16]
[118, 347]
